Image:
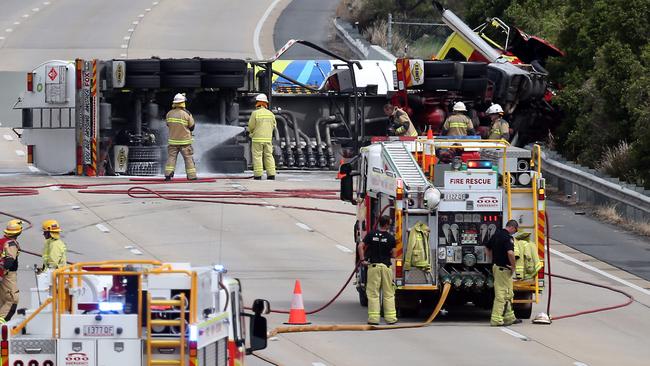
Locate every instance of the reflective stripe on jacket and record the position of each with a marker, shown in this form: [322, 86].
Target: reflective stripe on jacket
[500, 128]
[417, 249]
[261, 125]
[458, 125]
[526, 258]
[404, 125]
[179, 123]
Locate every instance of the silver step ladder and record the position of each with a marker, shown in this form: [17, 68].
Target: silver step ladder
[402, 162]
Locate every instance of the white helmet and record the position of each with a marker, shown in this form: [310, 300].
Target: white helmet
[494, 109]
[460, 107]
[261, 98]
[179, 98]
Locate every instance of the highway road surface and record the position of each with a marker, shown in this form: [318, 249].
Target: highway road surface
[269, 248]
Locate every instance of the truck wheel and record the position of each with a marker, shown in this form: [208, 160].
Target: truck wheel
[147, 66]
[142, 81]
[440, 83]
[180, 66]
[222, 81]
[363, 298]
[474, 69]
[143, 168]
[180, 81]
[223, 66]
[145, 153]
[523, 311]
[439, 68]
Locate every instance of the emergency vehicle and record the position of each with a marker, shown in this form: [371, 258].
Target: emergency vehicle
[134, 313]
[458, 192]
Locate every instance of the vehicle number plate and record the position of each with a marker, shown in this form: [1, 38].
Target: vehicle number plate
[455, 196]
[99, 331]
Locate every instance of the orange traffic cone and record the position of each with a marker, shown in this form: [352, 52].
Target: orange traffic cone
[430, 134]
[297, 315]
[340, 175]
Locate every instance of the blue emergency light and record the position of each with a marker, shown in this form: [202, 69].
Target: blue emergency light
[479, 164]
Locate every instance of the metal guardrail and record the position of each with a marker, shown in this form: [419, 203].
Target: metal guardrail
[630, 201]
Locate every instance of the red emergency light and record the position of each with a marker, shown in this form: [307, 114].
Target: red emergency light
[30, 82]
[399, 269]
[541, 194]
[479, 164]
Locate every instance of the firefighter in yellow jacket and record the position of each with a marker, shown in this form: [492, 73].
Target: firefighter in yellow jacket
[400, 122]
[458, 124]
[180, 124]
[54, 251]
[260, 128]
[499, 128]
[9, 284]
[526, 257]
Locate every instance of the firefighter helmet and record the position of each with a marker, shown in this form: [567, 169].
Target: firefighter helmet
[459, 107]
[494, 109]
[14, 227]
[261, 98]
[179, 98]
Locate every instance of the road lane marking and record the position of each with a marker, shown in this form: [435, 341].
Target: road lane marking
[20, 153]
[36, 10]
[54, 188]
[271, 207]
[16, 23]
[317, 364]
[124, 55]
[33, 169]
[258, 29]
[136, 251]
[75, 207]
[8, 137]
[25, 15]
[303, 226]
[102, 228]
[601, 272]
[9, 30]
[578, 363]
[126, 38]
[513, 333]
[344, 249]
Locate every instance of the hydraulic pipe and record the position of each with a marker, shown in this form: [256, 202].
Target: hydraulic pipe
[291, 119]
[138, 117]
[319, 142]
[287, 140]
[328, 137]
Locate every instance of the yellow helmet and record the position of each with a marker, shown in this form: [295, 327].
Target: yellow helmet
[14, 227]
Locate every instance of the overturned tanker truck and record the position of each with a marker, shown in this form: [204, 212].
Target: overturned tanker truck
[106, 117]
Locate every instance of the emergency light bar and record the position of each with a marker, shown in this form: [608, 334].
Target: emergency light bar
[111, 306]
[479, 164]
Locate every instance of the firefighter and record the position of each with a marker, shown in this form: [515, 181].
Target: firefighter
[501, 248]
[9, 284]
[499, 129]
[54, 251]
[376, 252]
[400, 123]
[458, 124]
[180, 124]
[260, 128]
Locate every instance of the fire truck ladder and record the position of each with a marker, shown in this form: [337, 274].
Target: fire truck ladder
[157, 342]
[402, 162]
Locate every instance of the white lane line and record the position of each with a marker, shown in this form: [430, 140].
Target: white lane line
[130, 30]
[35, 10]
[135, 22]
[303, 226]
[124, 46]
[126, 38]
[317, 364]
[25, 15]
[140, 15]
[75, 207]
[513, 333]
[8, 137]
[271, 207]
[147, 10]
[102, 228]
[258, 30]
[33, 169]
[16, 23]
[20, 153]
[1, 38]
[55, 188]
[578, 363]
[136, 251]
[124, 55]
[601, 272]
[344, 249]
[46, 3]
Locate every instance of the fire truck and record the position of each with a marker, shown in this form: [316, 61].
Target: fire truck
[134, 313]
[457, 192]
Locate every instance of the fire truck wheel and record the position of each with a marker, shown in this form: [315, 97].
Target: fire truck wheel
[477, 86]
[523, 311]
[180, 66]
[439, 68]
[223, 66]
[440, 83]
[180, 81]
[222, 81]
[143, 168]
[474, 69]
[145, 153]
[143, 81]
[148, 66]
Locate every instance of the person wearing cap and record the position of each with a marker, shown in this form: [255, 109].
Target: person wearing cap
[458, 124]
[180, 124]
[499, 129]
[501, 247]
[261, 125]
[54, 251]
[9, 265]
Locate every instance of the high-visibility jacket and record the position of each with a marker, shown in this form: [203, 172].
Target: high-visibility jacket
[10, 250]
[261, 125]
[500, 129]
[54, 253]
[458, 125]
[417, 249]
[402, 123]
[526, 258]
[180, 124]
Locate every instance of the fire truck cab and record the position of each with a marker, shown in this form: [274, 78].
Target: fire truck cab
[134, 313]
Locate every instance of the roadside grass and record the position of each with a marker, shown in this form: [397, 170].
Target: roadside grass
[610, 215]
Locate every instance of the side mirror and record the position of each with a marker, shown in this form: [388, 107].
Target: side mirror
[258, 326]
[347, 183]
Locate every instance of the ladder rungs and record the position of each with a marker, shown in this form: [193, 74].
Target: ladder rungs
[165, 322]
[522, 209]
[165, 302]
[161, 343]
[165, 362]
[521, 190]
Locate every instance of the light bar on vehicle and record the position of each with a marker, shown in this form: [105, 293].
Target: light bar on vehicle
[479, 164]
[111, 306]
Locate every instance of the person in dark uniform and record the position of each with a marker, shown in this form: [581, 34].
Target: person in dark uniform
[376, 251]
[501, 247]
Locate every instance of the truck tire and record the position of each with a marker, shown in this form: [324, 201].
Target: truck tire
[180, 81]
[180, 65]
[142, 81]
[440, 83]
[523, 311]
[439, 68]
[223, 66]
[222, 81]
[145, 153]
[143, 168]
[474, 69]
[140, 67]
